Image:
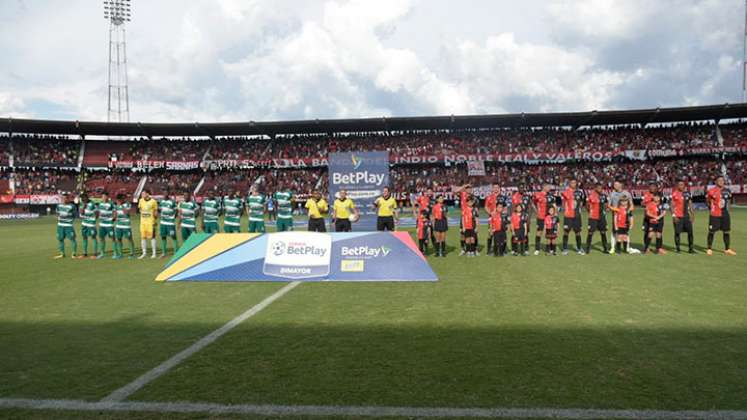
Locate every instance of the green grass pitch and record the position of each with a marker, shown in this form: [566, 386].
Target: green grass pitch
[598, 331]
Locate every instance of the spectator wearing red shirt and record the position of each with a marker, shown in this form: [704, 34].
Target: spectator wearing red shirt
[682, 215]
[718, 199]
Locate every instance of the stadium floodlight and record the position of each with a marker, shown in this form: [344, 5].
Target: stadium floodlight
[118, 12]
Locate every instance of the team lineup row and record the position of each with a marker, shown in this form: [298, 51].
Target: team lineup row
[508, 213]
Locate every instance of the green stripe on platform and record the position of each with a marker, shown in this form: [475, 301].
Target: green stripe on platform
[192, 242]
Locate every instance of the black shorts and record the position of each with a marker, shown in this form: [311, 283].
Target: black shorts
[551, 234]
[722, 223]
[657, 227]
[385, 223]
[343, 225]
[441, 225]
[682, 224]
[622, 231]
[598, 225]
[540, 225]
[572, 223]
[470, 233]
[499, 236]
[519, 236]
[317, 225]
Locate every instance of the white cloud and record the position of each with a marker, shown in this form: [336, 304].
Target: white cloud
[282, 59]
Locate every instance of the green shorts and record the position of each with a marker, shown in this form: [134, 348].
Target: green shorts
[231, 229]
[187, 232]
[167, 230]
[211, 227]
[88, 232]
[65, 232]
[106, 231]
[282, 225]
[258, 227]
[119, 234]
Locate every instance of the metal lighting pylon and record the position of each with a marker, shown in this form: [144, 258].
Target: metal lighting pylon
[117, 12]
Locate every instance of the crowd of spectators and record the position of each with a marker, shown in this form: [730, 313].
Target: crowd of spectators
[169, 149]
[45, 151]
[50, 181]
[175, 182]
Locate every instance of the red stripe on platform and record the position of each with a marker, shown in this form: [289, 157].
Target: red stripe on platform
[406, 239]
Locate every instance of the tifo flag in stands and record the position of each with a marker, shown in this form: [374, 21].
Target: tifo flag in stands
[476, 168]
[305, 256]
[364, 175]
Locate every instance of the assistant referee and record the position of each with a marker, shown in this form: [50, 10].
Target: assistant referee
[342, 208]
[387, 214]
[316, 206]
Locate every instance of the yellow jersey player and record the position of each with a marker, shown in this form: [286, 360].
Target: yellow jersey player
[148, 212]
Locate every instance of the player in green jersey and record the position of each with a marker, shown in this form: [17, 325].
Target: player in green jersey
[65, 217]
[188, 216]
[107, 213]
[257, 205]
[123, 228]
[233, 207]
[284, 203]
[210, 214]
[167, 223]
[88, 226]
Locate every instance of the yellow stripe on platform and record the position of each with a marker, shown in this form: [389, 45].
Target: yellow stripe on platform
[214, 245]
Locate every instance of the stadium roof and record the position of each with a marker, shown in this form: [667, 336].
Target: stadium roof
[568, 119]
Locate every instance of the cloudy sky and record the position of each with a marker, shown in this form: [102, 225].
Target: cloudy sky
[238, 60]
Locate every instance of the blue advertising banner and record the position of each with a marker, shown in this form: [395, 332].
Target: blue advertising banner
[363, 175]
[299, 256]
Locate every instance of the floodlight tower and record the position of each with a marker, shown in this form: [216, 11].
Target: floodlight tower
[744, 57]
[117, 12]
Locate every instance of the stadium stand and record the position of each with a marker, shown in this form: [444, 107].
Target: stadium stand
[433, 157]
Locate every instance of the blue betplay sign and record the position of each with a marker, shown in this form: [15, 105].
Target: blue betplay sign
[363, 175]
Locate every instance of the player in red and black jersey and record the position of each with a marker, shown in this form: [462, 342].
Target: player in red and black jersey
[465, 193]
[683, 215]
[550, 225]
[597, 205]
[655, 215]
[499, 222]
[648, 197]
[491, 202]
[542, 201]
[422, 203]
[573, 200]
[519, 228]
[622, 223]
[469, 227]
[440, 225]
[423, 231]
[718, 199]
[521, 198]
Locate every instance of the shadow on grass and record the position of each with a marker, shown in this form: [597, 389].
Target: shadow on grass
[368, 365]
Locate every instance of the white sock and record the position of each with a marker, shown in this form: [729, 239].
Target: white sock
[153, 245]
[144, 245]
[612, 241]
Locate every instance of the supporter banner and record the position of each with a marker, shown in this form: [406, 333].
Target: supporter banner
[6, 198]
[172, 165]
[45, 199]
[305, 256]
[21, 199]
[19, 216]
[364, 175]
[476, 168]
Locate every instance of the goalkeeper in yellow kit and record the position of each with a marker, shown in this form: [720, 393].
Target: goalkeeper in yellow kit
[148, 212]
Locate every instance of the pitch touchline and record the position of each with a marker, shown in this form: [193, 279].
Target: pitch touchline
[129, 389]
[363, 411]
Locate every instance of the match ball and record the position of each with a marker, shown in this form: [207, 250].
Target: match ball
[353, 218]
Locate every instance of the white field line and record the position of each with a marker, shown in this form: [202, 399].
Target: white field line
[364, 411]
[127, 390]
